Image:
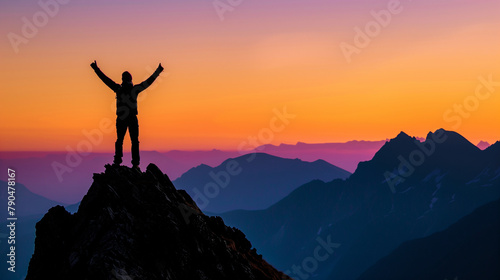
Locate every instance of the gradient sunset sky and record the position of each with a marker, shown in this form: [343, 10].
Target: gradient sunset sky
[224, 78]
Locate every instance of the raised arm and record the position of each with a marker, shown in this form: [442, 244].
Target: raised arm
[110, 83]
[144, 85]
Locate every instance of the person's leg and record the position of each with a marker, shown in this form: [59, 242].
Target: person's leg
[134, 137]
[121, 129]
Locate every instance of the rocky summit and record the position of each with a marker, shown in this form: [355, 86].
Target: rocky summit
[136, 225]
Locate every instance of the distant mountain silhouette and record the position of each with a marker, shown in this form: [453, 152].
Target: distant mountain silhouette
[365, 216]
[194, 158]
[259, 180]
[73, 181]
[136, 225]
[344, 155]
[27, 203]
[468, 249]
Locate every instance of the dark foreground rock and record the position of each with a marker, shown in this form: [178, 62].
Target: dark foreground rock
[136, 225]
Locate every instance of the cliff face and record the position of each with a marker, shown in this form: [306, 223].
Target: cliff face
[136, 225]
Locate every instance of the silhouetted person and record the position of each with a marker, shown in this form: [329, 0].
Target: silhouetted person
[126, 110]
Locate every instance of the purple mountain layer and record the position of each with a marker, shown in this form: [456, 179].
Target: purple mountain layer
[63, 176]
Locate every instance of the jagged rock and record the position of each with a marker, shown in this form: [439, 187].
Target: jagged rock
[136, 225]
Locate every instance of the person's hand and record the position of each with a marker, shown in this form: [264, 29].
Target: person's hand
[93, 64]
[160, 68]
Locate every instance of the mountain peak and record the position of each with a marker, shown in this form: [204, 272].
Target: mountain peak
[394, 146]
[449, 135]
[136, 225]
[401, 139]
[402, 135]
[441, 145]
[453, 140]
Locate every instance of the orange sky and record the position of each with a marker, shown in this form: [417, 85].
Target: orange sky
[223, 79]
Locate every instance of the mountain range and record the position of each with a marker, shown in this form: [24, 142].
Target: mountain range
[410, 189]
[65, 174]
[62, 176]
[410, 192]
[281, 176]
[252, 182]
[345, 155]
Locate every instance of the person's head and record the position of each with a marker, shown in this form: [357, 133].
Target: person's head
[126, 77]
